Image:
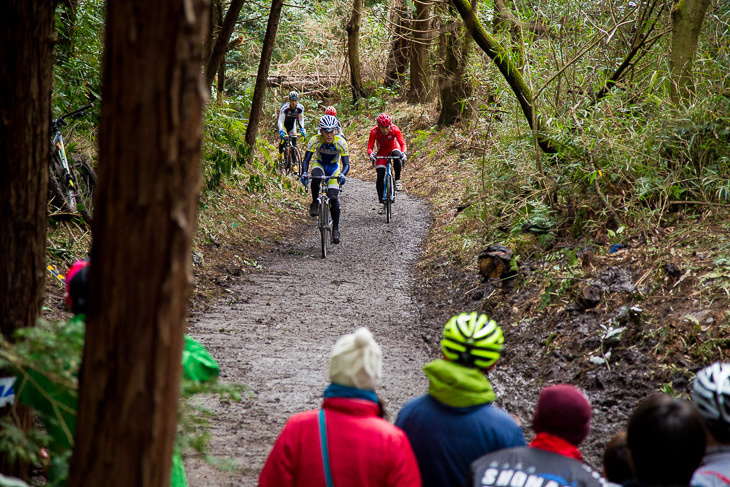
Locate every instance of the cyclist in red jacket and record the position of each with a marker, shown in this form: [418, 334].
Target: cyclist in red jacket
[390, 143]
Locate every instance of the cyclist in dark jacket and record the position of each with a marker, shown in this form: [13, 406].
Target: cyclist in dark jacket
[561, 421]
[456, 422]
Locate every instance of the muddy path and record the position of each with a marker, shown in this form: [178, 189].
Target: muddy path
[275, 331]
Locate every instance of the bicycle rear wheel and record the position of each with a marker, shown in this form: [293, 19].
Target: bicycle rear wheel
[388, 197]
[85, 179]
[324, 226]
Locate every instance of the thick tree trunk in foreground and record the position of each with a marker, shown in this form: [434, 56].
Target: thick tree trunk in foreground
[397, 64]
[509, 71]
[420, 67]
[353, 50]
[455, 89]
[140, 275]
[687, 18]
[221, 42]
[26, 50]
[260, 88]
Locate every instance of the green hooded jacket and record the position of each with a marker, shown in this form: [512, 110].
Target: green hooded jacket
[458, 386]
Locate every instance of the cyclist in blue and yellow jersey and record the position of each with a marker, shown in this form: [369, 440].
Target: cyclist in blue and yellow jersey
[291, 113]
[331, 159]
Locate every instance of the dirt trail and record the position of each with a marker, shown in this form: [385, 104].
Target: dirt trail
[275, 332]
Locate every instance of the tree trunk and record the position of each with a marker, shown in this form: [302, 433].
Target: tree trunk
[353, 51]
[214, 27]
[221, 77]
[26, 50]
[260, 88]
[455, 88]
[420, 68]
[398, 57]
[140, 276]
[687, 18]
[221, 42]
[509, 71]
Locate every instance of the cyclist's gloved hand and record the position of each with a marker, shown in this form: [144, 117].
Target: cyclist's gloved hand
[282, 134]
[341, 179]
[403, 157]
[304, 133]
[372, 158]
[305, 179]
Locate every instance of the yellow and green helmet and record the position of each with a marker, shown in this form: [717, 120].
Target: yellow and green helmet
[472, 340]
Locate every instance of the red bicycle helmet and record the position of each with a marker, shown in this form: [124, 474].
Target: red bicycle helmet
[384, 120]
[330, 110]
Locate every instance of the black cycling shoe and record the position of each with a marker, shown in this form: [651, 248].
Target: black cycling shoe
[335, 236]
[314, 209]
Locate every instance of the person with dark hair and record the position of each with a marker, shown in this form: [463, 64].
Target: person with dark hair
[711, 396]
[616, 462]
[666, 438]
[457, 422]
[561, 422]
[346, 442]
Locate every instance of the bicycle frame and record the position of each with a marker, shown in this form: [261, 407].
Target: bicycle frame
[290, 148]
[62, 175]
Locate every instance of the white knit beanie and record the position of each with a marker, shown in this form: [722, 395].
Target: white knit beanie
[356, 361]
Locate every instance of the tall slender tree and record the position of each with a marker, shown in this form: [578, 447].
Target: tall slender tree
[26, 50]
[259, 90]
[397, 65]
[353, 50]
[221, 42]
[687, 18]
[420, 67]
[140, 276]
[455, 89]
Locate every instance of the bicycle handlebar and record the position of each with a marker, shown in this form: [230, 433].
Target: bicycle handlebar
[388, 157]
[59, 122]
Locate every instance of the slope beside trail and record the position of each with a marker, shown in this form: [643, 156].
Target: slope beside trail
[275, 332]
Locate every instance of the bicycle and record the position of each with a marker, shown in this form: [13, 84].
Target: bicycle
[324, 219]
[291, 162]
[389, 190]
[71, 186]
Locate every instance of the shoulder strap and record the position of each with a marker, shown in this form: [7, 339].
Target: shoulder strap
[325, 451]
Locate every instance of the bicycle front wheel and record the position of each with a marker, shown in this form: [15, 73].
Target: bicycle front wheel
[324, 225]
[286, 162]
[388, 197]
[297, 162]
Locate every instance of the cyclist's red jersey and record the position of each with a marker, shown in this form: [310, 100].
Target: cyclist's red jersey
[386, 143]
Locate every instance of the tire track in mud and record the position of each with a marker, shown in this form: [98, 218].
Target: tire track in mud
[276, 330]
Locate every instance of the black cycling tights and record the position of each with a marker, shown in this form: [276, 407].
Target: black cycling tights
[380, 183]
[334, 195]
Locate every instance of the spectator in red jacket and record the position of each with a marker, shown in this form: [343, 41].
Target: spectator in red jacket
[347, 442]
[390, 143]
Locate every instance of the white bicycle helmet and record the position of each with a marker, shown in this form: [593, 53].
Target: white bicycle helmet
[293, 96]
[328, 123]
[711, 393]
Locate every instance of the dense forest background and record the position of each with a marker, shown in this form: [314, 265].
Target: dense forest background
[549, 127]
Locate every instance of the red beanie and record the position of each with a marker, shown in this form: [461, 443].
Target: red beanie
[563, 411]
